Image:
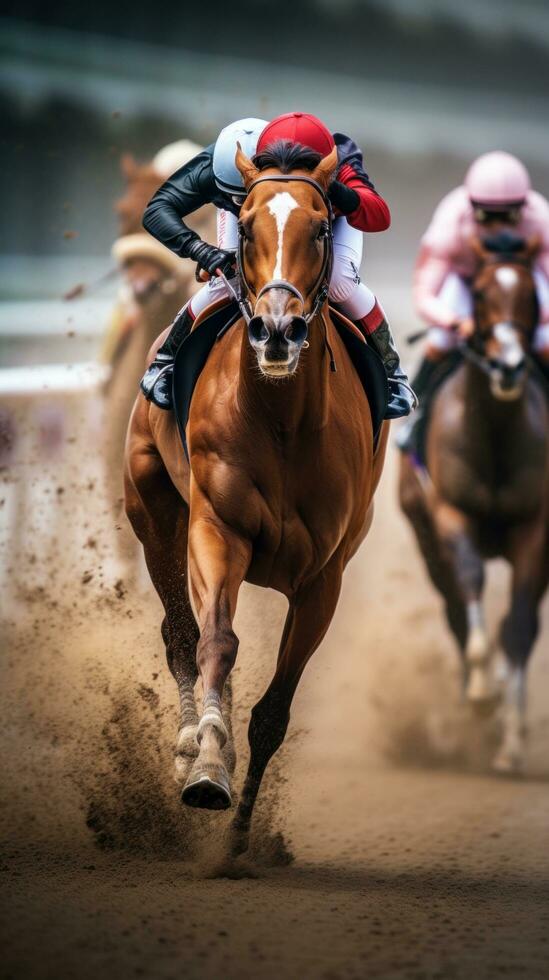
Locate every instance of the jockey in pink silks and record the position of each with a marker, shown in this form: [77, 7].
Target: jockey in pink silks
[496, 192]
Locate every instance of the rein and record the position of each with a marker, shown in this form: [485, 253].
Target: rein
[243, 290]
[484, 364]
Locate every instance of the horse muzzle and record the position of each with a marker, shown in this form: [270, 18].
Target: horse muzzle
[507, 382]
[277, 342]
[507, 371]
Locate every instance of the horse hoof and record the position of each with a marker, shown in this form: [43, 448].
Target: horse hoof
[207, 789]
[480, 691]
[508, 763]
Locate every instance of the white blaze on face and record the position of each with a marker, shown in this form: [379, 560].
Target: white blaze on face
[280, 207]
[506, 277]
[511, 351]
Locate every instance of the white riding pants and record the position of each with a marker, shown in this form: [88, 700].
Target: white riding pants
[346, 289]
[455, 293]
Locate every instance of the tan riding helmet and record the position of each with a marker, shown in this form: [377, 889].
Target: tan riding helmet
[174, 156]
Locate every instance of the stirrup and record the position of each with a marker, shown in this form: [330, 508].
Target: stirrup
[168, 358]
[148, 387]
[407, 385]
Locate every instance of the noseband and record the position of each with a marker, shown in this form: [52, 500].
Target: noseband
[322, 284]
[480, 360]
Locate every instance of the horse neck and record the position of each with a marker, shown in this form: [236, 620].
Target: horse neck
[295, 403]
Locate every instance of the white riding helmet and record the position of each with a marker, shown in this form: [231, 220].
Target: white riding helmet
[497, 181]
[243, 131]
[174, 156]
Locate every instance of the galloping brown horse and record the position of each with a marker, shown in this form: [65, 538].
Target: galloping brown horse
[487, 491]
[279, 488]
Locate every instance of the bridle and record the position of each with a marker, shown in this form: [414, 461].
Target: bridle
[320, 291]
[479, 358]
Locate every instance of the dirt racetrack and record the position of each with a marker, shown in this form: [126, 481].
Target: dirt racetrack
[383, 847]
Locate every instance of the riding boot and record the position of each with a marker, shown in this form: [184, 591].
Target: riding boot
[402, 399]
[423, 384]
[156, 383]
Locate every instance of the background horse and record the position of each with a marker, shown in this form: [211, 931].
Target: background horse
[143, 179]
[155, 286]
[280, 484]
[487, 491]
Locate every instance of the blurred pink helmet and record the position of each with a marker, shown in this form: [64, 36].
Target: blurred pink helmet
[497, 180]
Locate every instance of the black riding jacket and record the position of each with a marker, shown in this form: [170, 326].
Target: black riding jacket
[193, 185]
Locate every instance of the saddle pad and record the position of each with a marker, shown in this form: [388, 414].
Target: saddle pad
[192, 356]
[369, 367]
[418, 448]
[194, 351]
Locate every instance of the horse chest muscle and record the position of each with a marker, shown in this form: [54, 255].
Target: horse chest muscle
[295, 488]
[296, 501]
[492, 468]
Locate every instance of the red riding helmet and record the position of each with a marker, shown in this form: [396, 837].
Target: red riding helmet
[299, 127]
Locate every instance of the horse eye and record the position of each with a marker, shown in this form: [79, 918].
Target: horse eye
[322, 231]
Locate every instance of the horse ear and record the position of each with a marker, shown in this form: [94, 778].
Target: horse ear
[128, 165]
[247, 169]
[326, 170]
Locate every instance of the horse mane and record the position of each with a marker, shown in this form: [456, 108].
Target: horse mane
[504, 243]
[287, 156]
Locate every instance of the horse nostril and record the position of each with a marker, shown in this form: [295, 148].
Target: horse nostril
[297, 331]
[257, 331]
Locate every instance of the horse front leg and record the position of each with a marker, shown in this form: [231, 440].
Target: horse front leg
[218, 560]
[309, 616]
[160, 517]
[456, 537]
[441, 570]
[526, 552]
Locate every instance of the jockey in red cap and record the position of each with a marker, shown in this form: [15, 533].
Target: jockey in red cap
[357, 208]
[212, 177]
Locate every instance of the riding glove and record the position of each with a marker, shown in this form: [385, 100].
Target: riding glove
[210, 258]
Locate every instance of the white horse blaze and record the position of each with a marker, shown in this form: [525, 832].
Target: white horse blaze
[506, 335]
[280, 207]
[507, 277]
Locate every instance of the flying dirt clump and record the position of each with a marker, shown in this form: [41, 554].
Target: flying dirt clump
[91, 698]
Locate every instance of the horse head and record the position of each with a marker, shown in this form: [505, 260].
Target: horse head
[141, 181]
[505, 310]
[152, 275]
[285, 249]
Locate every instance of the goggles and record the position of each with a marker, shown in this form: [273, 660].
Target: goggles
[486, 215]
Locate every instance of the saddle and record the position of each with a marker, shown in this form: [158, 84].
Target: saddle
[220, 317]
